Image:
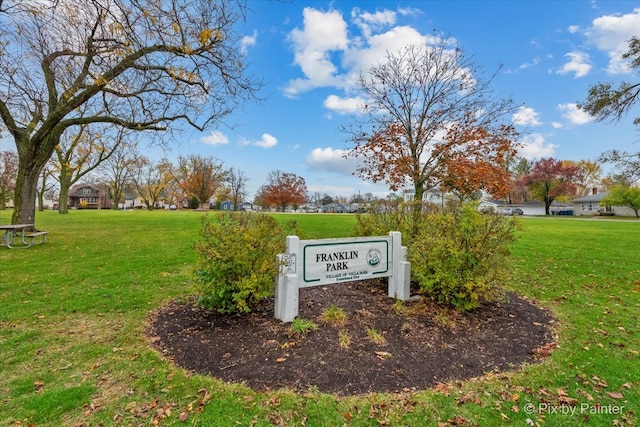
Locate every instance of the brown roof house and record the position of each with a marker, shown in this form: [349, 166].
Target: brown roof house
[88, 196]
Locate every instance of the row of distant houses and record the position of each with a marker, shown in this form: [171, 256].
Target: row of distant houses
[89, 196]
[227, 205]
[583, 206]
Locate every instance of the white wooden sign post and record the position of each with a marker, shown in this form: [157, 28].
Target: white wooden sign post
[319, 262]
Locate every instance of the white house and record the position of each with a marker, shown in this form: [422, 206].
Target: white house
[590, 205]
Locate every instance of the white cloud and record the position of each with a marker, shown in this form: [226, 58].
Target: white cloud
[378, 45]
[533, 63]
[611, 33]
[409, 11]
[267, 141]
[369, 22]
[331, 160]
[526, 116]
[535, 147]
[329, 57]
[578, 64]
[343, 105]
[573, 29]
[215, 138]
[248, 41]
[574, 115]
[322, 33]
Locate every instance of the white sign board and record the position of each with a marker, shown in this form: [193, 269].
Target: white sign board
[318, 262]
[338, 260]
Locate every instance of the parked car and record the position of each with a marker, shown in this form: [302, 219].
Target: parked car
[512, 211]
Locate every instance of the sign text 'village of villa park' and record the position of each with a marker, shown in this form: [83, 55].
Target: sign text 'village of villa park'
[319, 262]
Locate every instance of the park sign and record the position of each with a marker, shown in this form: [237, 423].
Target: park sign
[320, 262]
[335, 260]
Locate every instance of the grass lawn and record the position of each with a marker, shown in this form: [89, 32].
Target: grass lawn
[73, 349]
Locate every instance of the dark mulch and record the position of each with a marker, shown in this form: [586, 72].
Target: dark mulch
[423, 344]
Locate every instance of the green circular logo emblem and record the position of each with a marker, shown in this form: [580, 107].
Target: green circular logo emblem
[374, 257]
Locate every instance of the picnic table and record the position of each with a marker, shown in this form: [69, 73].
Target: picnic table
[27, 233]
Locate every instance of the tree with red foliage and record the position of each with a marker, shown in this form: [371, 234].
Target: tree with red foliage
[551, 178]
[284, 189]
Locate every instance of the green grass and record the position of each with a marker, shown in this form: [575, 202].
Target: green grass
[334, 315]
[73, 349]
[302, 327]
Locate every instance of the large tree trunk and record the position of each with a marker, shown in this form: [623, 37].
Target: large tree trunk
[416, 208]
[24, 211]
[115, 192]
[63, 204]
[65, 183]
[32, 156]
[40, 201]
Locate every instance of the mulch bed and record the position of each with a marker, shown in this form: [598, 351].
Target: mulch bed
[422, 343]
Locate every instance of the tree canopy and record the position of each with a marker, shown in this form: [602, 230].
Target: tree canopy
[283, 189]
[605, 101]
[429, 118]
[623, 195]
[140, 65]
[550, 179]
[200, 177]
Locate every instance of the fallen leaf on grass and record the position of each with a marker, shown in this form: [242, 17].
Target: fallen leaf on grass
[586, 395]
[205, 396]
[457, 420]
[567, 401]
[545, 350]
[598, 382]
[443, 388]
[615, 395]
[468, 398]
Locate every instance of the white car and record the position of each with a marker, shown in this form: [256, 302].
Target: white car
[512, 211]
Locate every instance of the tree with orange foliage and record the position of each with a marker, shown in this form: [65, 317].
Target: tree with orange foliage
[430, 121]
[199, 177]
[476, 159]
[283, 189]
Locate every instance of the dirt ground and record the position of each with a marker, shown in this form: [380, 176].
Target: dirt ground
[382, 347]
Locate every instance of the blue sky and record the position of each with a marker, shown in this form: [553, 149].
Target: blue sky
[308, 51]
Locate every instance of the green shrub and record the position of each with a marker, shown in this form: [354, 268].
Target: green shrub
[459, 258]
[457, 254]
[386, 216]
[194, 203]
[237, 264]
